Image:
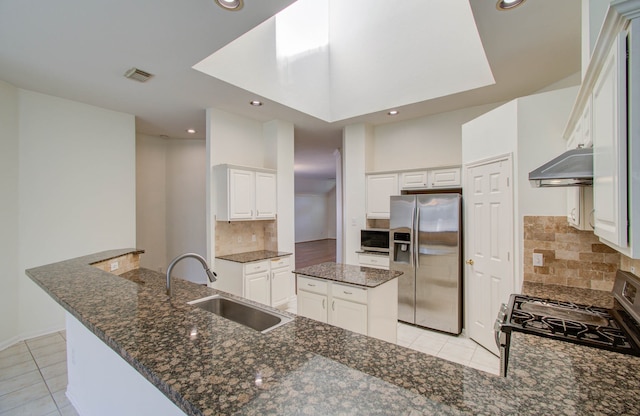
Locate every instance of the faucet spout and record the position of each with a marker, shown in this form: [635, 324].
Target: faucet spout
[211, 275]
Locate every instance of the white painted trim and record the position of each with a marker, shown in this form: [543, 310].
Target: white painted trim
[28, 335]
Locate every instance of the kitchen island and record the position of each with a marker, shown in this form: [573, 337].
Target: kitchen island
[351, 297]
[308, 367]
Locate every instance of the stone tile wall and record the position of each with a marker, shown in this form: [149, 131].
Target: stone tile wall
[571, 257]
[238, 236]
[126, 263]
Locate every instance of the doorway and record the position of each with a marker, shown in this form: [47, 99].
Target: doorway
[489, 245]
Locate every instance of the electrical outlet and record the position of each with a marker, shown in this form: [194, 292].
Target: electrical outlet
[253, 237]
[114, 265]
[633, 270]
[538, 259]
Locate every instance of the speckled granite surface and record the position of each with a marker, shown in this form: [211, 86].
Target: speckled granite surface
[569, 294]
[307, 367]
[346, 273]
[253, 256]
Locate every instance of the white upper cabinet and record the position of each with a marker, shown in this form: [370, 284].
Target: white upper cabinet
[609, 143]
[605, 114]
[241, 194]
[265, 195]
[417, 179]
[444, 178]
[379, 189]
[244, 194]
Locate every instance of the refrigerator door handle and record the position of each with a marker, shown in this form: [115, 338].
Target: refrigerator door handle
[416, 238]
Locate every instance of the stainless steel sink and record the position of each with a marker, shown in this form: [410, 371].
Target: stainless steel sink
[262, 320]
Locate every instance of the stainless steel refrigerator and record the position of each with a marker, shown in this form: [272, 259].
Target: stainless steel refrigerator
[425, 233]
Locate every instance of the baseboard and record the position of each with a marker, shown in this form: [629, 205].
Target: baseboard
[11, 341]
[311, 241]
[28, 335]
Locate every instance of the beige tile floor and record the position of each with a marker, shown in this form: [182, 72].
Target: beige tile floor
[33, 377]
[33, 373]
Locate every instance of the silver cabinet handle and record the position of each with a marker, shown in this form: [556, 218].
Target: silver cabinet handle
[333, 305]
[257, 213]
[347, 293]
[311, 285]
[323, 303]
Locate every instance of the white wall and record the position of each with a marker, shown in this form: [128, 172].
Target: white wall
[315, 216]
[279, 155]
[531, 129]
[354, 144]
[237, 140]
[186, 205]
[9, 168]
[421, 142]
[76, 191]
[171, 203]
[151, 197]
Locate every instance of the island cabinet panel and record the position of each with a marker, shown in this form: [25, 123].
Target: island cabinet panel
[370, 311]
[268, 282]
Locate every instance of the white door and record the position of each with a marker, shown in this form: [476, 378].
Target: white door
[489, 235]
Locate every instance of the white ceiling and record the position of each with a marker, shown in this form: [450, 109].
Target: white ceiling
[321, 58]
[79, 49]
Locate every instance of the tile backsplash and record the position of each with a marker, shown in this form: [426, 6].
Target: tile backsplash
[571, 257]
[243, 236]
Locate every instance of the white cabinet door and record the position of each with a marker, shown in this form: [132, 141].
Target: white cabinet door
[379, 189]
[413, 180]
[312, 305]
[265, 195]
[444, 178]
[349, 315]
[257, 287]
[609, 148]
[280, 286]
[241, 194]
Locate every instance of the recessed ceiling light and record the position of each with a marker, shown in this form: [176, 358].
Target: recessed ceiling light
[232, 5]
[393, 112]
[191, 131]
[508, 4]
[255, 103]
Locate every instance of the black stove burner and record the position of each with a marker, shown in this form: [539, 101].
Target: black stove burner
[580, 324]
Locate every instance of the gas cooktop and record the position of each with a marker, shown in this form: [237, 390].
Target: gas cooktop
[615, 329]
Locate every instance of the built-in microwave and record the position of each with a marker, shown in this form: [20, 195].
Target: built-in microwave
[374, 239]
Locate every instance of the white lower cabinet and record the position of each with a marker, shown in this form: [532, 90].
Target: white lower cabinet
[368, 311]
[269, 282]
[312, 305]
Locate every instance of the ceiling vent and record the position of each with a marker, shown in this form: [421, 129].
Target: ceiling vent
[138, 75]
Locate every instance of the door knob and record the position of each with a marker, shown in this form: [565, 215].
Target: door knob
[470, 262]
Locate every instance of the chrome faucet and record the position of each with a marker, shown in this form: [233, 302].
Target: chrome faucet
[210, 274]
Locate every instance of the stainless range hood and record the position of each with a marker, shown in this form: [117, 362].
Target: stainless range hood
[572, 168]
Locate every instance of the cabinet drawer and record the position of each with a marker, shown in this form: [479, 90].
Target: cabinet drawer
[279, 263]
[374, 261]
[312, 285]
[257, 267]
[351, 293]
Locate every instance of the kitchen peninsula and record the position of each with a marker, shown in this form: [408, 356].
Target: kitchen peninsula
[204, 364]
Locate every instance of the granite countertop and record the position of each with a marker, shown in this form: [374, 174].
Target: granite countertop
[250, 256]
[589, 297]
[308, 367]
[346, 273]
